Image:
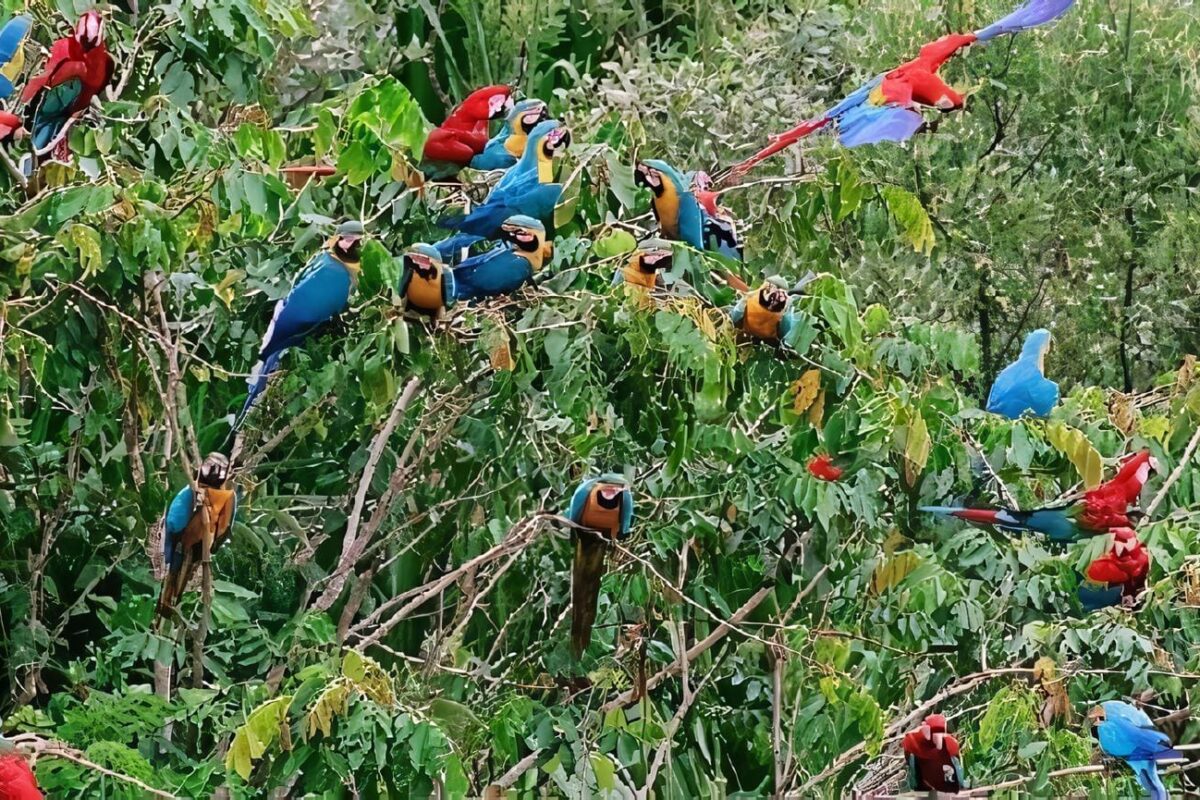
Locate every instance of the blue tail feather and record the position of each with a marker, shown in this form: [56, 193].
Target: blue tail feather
[1029, 15]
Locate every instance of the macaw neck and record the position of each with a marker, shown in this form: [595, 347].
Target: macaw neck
[352, 267]
[545, 167]
[515, 143]
[666, 208]
[535, 259]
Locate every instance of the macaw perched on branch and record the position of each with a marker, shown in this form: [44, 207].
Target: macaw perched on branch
[1022, 387]
[605, 505]
[78, 69]
[528, 189]
[426, 283]
[1100, 510]
[933, 759]
[463, 135]
[1125, 732]
[320, 293]
[503, 149]
[675, 206]
[764, 313]
[17, 781]
[507, 266]
[888, 107]
[1118, 575]
[190, 521]
[650, 258]
[12, 52]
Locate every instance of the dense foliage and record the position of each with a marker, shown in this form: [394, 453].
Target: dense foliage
[390, 614]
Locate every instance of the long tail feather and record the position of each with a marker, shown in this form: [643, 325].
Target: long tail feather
[586, 574]
[1029, 15]
[260, 376]
[451, 247]
[779, 142]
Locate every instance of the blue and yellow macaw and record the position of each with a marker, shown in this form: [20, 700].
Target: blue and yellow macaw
[888, 107]
[503, 149]
[642, 270]
[1125, 732]
[675, 206]
[12, 52]
[764, 312]
[426, 283]
[185, 530]
[320, 293]
[522, 251]
[604, 504]
[527, 189]
[1022, 386]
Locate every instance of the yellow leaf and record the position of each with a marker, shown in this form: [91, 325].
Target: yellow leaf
[501, 357]
[805, 390]
[224, 289]
[816, 412]
[261, 730]
[916, 448]
[1121, 412]
[1075, 446]
[892, 570]
[1186, 375]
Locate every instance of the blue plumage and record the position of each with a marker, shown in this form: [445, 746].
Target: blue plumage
[12, 55]
[1022, 386]
[675, 206]
[1029, 15]
[497, 153]
[320, 293]
[1126, 732]
[580, 497]
[507, 266]
[179, 514]
[1094, 596]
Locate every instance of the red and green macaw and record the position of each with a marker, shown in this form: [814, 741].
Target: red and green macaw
[463, 135]
[17, 781]
[933, 758]
[78, 69]
[1118, 575]
[189, 523]
[604, 504]
[888, 107]
[1100, 510]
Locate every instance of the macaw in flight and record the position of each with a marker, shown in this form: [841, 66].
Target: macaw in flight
[509, 265]
[605, 505]
[1100, 510]
[320, 293]
[642, 270]
[764, 312]
[1022, 386]
[463, 135]
[888, 107]
[1125, 732]
[527, 189]
[503, 149]
[933, 758]
[1118, 575]
[77, 71]
[189, 522]
[17, 781]
[12, 61]
[426, 283]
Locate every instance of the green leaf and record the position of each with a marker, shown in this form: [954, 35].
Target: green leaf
[915, 225]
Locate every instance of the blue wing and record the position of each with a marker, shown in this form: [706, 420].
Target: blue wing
[579, 500]
[451, 247]
[869, 124]
[449, 287]
[854, 99]
[12, 58]
[1094, 595]
[626, 512]
[495, 155]
[786, 322]
[691, 221]
[179, 514]
[498, 271]
[618, 277]
[738, 313]
[52, 113]
[1031, 14]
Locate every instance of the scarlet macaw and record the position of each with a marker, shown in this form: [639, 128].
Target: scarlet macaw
[1100, 510]
[648, 260]
[463, 135]
[933, 758]
[503, 149]
[78, 69]
[320, 293]
[507, 266]
[16, 778]
[1117, 575]
[1125, 732]
[12, 52]
[528, 189]
[888, 107]
[764, 313]
[1022, 386]
[605, 505]
[426, 283]
[184, 529]
[823, 468]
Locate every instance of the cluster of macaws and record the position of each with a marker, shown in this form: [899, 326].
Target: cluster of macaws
[77, 69]
[934, 760]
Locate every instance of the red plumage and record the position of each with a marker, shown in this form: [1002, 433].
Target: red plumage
[917, 81]
[1127, 569]
[16, 779]
[933, 761]
[1106, 506]
[10, 126]
[75, 56]
[465, 132]
[823, 468]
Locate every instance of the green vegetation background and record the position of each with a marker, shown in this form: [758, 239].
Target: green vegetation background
[137, 285]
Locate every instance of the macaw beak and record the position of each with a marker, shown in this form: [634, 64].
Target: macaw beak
[348, 246]
[701, 181]
[499, 105]
[89, 30]
[1153, 462]
[938, 739]
[611, 492]
[653, 258]
[531, 119]
[645, 175]
[926, 732]
[523, 238]
[1119, 548]
[420, 264]
[557, 141]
